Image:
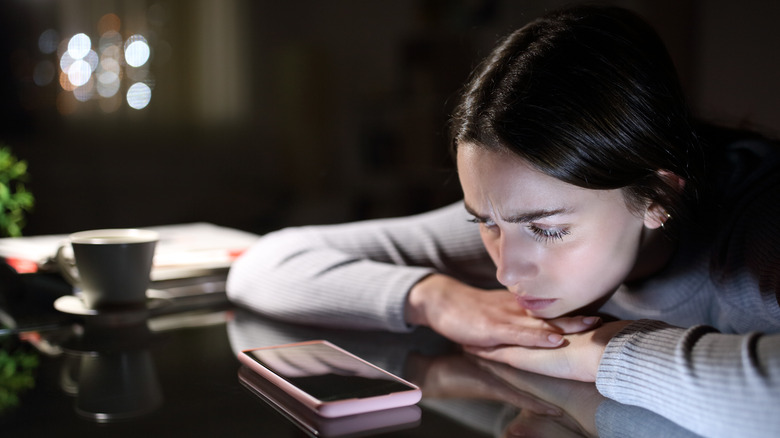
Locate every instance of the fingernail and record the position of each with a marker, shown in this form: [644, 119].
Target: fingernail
[555, 338]
[590, 320]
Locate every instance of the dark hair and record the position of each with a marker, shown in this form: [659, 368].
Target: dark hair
[590, 96]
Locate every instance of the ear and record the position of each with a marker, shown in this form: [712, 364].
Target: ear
[656, 215]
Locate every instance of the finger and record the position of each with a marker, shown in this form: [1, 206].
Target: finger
[531, 425]
[543, 336]
[575, 324]
[525, 400]
[518, 378]
[528, 402]
[534, 360]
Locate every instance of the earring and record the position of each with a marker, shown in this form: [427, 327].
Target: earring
[668, 216]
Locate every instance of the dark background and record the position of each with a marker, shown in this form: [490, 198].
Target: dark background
[271, 113]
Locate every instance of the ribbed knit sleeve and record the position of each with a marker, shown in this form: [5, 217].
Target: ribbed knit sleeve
[356, 275]
[717, 385]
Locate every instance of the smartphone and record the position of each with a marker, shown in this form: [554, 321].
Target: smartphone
[329, 380]
[384, 421]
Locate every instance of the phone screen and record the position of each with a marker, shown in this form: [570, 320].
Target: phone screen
[326, 373]
[315, 425]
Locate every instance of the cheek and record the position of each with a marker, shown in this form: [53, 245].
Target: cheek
[603, 263]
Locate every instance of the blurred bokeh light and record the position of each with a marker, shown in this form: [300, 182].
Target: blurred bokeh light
[97, 67]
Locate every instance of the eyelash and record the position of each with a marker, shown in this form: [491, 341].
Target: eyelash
[476, 220]
[547, 236]
[486, 222]
[540, 234]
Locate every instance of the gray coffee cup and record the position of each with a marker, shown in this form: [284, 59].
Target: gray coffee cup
[112, 266]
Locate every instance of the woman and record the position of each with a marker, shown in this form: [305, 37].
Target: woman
[593, 192]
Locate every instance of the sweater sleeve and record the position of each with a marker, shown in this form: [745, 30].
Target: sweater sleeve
[723, 382]
[356, 275]
[715, 384]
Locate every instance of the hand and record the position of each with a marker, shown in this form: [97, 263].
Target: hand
[579, 402]
[483, 318]
[577, 359]
[458, 376]
[547, 406]
[528, 424]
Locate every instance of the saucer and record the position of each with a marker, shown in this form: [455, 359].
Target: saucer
[73, 305]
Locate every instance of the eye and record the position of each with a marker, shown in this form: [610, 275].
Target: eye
[548, 235]
[486, 222]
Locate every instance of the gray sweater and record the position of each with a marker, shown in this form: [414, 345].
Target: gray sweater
[704, 351]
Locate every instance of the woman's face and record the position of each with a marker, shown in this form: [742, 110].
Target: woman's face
[558, 247]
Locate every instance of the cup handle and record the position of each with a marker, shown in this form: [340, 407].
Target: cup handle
[67, 269]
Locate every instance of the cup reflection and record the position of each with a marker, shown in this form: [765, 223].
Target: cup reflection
[115, 377]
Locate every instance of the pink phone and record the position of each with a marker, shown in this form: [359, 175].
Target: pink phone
[329, 380]
[369, 423]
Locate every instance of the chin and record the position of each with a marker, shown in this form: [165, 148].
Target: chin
[589, 309]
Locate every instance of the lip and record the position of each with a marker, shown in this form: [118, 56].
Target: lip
[531, 303]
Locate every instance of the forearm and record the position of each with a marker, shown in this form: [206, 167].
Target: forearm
[359, 274]
[615, 419]
[300, 282]
[714, 384]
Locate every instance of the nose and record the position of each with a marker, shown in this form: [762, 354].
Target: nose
[514, 261]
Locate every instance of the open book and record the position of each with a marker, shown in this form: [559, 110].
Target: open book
[184, 251]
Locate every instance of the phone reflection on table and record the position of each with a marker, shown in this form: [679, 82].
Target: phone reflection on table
[315, 425]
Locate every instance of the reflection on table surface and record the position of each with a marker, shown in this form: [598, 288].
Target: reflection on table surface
[176, 373]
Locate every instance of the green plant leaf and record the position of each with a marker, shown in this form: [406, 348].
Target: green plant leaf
[15, 199]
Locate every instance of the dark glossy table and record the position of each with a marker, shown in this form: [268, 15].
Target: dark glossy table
[172, 371]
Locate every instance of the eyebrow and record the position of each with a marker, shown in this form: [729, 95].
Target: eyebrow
[523, 217]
